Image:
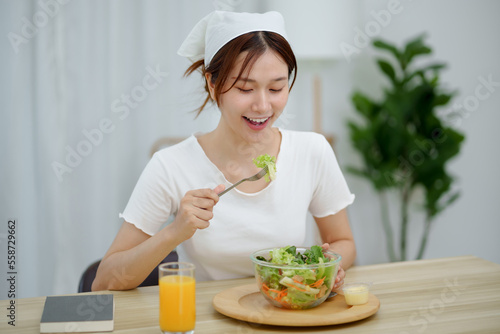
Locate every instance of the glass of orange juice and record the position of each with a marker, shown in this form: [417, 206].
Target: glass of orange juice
[177, 297]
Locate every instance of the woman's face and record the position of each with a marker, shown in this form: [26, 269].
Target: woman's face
[257, 99]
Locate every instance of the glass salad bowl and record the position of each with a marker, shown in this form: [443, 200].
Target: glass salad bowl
[295, 277]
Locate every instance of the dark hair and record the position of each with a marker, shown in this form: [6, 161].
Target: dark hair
[255, 43]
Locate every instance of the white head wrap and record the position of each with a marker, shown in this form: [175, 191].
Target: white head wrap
[220, 27]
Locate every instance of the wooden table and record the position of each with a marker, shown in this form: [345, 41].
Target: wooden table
[448, 295]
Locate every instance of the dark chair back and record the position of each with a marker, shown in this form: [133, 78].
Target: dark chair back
[88, 275]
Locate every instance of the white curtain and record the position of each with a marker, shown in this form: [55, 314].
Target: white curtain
[87, 87]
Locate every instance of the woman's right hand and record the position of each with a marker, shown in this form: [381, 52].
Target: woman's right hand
[195, 211]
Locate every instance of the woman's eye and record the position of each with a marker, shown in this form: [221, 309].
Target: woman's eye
[244, 90]
[276, 90]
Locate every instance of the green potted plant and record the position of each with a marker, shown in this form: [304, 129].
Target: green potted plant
[403, 143]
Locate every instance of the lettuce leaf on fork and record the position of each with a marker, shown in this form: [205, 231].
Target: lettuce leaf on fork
[266, 160]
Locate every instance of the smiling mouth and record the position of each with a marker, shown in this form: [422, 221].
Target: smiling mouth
[256, 121]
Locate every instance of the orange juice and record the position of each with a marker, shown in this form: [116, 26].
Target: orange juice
[177, 303]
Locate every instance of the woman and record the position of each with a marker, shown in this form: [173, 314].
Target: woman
[247, 64]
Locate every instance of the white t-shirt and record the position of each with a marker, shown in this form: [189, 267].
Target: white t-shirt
[308, 178]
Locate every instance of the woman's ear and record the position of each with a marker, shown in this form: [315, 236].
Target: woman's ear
[210, 85]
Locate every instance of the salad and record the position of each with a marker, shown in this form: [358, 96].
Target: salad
[295, 280]
[268, 161]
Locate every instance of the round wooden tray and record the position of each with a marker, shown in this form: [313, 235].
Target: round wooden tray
[247, 303]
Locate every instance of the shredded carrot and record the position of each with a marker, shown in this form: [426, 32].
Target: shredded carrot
[300, 289]
[317, 283]
[279, 294]
[282, 302]
[282, 294]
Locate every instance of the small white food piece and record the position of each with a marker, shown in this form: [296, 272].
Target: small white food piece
[356, 294]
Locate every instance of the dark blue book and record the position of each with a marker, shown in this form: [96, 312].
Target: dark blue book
[78, 313]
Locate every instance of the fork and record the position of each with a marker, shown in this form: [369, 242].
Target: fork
[256, 177]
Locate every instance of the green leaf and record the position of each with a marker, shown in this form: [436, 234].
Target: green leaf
[291, 249]
[451, 199]
[435, 190]
[268, 161]
[363, 104]
[442, 99]
[388, 70]
[380, 44]
[414, 48]
[433, 67]
[411, 76]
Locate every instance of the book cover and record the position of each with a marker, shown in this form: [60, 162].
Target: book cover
[78, 313]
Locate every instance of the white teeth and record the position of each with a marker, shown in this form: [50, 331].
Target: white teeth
[258, 120]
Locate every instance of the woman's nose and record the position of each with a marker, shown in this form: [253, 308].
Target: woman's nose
[261, 102]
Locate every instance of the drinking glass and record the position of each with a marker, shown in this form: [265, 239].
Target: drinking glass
[177, 297]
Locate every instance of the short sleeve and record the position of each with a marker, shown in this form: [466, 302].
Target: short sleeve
[331, 193]
[150, 204]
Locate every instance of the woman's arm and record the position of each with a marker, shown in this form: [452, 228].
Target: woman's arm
[337, 235]
[131, 257]
[134, 254]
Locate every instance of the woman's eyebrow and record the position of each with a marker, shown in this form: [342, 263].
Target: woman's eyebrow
[253, 80]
